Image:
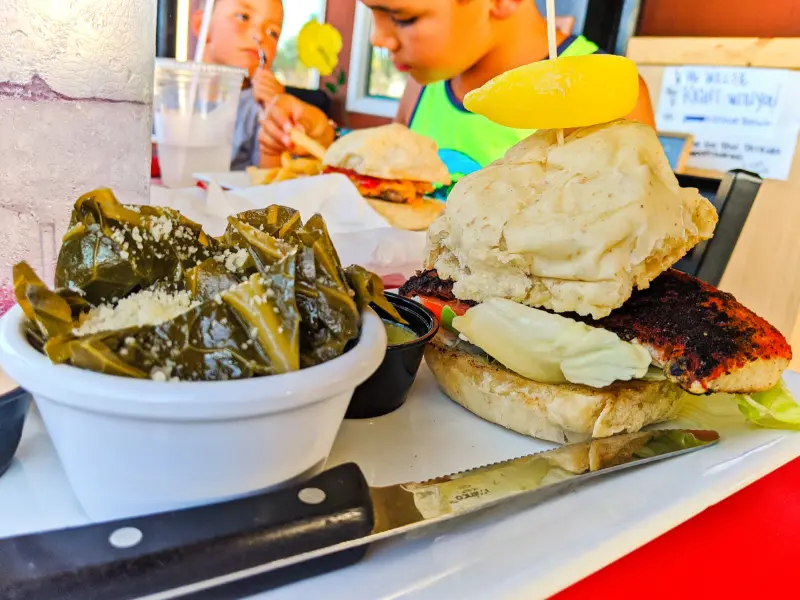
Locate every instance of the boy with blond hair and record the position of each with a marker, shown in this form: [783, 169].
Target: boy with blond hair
[239, 31]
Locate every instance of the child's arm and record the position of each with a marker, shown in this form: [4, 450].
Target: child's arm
[408, 102]
[643, 112]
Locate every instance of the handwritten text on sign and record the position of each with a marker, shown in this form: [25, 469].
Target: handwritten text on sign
[740, 118]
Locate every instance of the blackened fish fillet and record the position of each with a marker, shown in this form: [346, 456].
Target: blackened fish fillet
[703, 338]
[428, 283]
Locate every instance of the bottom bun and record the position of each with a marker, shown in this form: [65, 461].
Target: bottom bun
[416, 216]
[558, 413]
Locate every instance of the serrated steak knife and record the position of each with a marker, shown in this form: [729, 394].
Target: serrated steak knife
[241, 547]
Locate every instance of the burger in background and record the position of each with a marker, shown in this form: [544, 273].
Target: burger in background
[393, 169]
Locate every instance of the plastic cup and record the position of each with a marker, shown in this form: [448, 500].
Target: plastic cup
[194, 117]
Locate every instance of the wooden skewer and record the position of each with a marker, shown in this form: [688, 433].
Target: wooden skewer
[551, 28]
[550, 8]
[314, 148]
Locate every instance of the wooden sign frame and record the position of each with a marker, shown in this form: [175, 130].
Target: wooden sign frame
[764, 270]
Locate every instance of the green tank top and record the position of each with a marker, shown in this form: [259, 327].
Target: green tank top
[467, 142]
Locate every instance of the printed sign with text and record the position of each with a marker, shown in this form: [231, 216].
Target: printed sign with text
[740, 118]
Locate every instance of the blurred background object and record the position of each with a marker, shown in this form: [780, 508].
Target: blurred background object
[374, 86]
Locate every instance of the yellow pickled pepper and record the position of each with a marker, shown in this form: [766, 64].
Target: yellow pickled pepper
[574, 91]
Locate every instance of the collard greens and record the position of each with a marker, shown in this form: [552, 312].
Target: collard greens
[269, 296]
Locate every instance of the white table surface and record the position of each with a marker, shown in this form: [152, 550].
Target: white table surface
[527, 554]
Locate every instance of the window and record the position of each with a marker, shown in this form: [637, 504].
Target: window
[288, 68]
[383, 80]
[375, 85]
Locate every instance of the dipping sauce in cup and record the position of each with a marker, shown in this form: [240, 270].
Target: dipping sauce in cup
[387, 389]
[398, 334]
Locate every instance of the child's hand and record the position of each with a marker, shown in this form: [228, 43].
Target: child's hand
[287, 112]
[266, 87]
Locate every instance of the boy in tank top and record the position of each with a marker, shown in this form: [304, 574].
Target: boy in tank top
[448, 48]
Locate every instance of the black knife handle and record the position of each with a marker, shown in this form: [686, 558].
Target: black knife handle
[194, 545]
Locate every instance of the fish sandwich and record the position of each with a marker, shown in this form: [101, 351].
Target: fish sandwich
[562, 318]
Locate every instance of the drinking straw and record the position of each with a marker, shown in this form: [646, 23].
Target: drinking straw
[200, 48]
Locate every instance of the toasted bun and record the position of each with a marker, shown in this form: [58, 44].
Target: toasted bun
[573, 227]
[416, 216]
[558, 413]
[388, 152]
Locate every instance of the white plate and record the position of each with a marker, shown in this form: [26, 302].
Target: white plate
[230, 180]
[528, 554]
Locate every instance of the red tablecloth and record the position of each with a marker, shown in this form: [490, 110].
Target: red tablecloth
[747, 546]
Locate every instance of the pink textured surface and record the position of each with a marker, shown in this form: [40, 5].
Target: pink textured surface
[7, 299]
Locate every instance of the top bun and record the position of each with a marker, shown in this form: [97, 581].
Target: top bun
[388, 152]
[572, 228]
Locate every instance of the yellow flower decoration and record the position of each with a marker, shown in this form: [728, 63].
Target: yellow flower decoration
[318, 46]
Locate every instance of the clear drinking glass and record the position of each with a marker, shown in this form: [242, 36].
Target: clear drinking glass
[195, 116]
[76, 86]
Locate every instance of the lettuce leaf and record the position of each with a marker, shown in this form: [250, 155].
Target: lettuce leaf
[773, 409]
[551, 348]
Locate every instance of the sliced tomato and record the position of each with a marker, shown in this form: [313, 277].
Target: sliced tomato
[444, 310]
[435, 305]
[363, 180]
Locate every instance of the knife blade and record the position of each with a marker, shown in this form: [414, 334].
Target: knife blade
[241, 547]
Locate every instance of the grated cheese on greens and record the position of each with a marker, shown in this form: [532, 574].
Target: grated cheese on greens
[163, 373]
[161, 227]
[233, 260]
[148, 307]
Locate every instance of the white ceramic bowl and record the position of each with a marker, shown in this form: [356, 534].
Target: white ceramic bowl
[133, 446]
